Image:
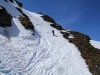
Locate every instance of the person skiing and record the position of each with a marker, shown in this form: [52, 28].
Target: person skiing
[53, 32]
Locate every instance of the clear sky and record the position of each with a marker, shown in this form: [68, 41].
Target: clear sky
[78, 15]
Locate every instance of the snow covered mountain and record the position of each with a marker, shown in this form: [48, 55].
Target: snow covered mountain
[28, 46]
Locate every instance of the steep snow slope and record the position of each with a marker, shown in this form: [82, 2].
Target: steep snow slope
[22, 53]
[10, 7]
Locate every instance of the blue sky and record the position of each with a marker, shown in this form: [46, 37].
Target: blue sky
[78, 15]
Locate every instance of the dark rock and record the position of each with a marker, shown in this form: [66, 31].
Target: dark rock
[22, 12]
[59, 27]
[48, 19]
[3, 9]
[25, 15]
[26, 23]
[54, 25]
[6, 0]
[19, 3]
[66, 35]
[5, 17]
[40, 13]
[19, 9]
[11, 1]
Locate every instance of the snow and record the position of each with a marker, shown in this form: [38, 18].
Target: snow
[95, 44]
[64, 30]
[0, 8]
[22, 53]
[10, 8]
[70, 36]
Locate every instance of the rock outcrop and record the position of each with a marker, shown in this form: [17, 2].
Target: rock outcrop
[19, 3]
[5, 17]
[55, 25]
[22, 12]
[48, 19]
[26, 23]
[6, 0]
[11, 1]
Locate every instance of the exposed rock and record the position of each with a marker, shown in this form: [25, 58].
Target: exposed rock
[59, 27]
[25, 15]
[2, 9]
[88, 52]
[6, 0]
[19, 3]
[40, 13]
[19, 9]
[5, 17]
[26, 23]
[48, 19]
[22, 12]
[11, 1]
[54, 24]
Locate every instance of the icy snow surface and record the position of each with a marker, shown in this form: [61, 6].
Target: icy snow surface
[21, 53]
[95, 44]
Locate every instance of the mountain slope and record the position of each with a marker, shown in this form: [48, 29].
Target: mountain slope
[28, 47]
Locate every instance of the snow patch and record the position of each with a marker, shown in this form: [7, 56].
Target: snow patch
[95, 44]
[64, 30]
[0, 7]
[70, 36]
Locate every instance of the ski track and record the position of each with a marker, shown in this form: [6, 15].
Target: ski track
[50, 71]
[21, 53]
[41, 52]
[41, 48]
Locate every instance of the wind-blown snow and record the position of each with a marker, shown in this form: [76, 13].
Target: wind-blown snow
[21, 53]
[95, 44]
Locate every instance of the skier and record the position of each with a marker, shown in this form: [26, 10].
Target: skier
[53, 32]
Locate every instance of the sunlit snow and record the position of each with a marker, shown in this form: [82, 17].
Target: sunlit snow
[22, 53]
[0, 8]
[95, 44]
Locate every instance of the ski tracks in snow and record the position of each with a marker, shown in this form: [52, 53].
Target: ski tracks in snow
[54, 69]
[17, 60]
[41, 52]
[21, 57]
[35, 55]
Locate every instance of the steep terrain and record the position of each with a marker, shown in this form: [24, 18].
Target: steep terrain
[28, 46]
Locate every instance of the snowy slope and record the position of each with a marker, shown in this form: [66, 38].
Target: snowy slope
[21, 53]
[95, 44]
